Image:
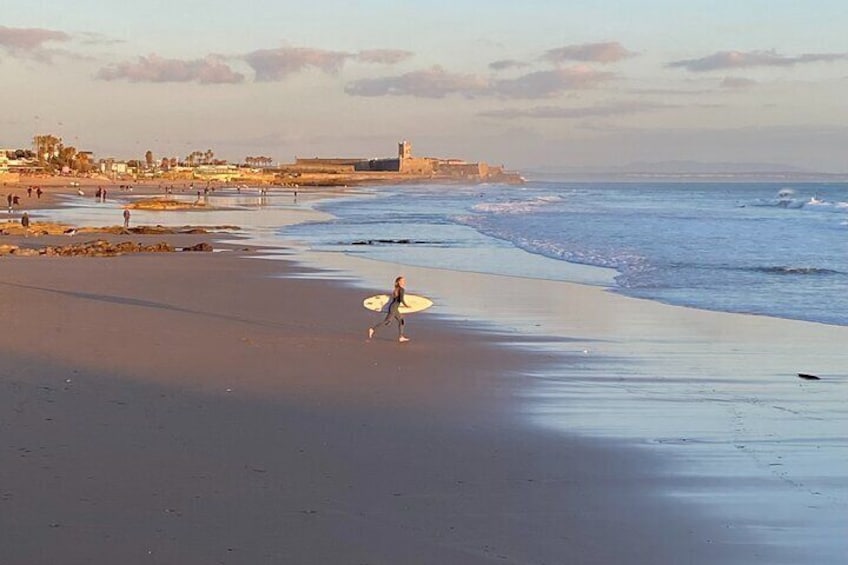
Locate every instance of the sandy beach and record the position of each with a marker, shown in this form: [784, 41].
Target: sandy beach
[151, 416]
[215, 408]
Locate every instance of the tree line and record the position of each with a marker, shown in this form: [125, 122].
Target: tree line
[52, 154]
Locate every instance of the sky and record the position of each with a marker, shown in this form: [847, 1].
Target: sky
[538, 83]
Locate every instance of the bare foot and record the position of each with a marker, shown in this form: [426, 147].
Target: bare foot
[370, 333]
[403, 339]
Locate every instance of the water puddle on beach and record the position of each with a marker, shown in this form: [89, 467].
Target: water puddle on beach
[716, 395]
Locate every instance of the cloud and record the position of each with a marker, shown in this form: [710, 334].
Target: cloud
[544, 84]
[738, 60]
[277, 64]
[383, 56]
[506, 64]
[609, 52]
[209, 70]
[669, 91]
[558, 112]
[737, 82]
[434, 82]
[92, 38]
[29, 42]
[29, 39]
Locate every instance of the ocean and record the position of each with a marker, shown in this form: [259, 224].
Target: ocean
[771, 249]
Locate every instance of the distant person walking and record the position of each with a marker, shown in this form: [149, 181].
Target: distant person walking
[126, 218]
[25, 223]
[9, 202]
[38, 192]
[397, 300]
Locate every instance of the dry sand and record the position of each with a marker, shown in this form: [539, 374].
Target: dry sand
[195, 409]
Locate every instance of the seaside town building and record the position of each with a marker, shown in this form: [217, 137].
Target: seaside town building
[11, 167]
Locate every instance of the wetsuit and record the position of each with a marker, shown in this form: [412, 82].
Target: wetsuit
[394, 311]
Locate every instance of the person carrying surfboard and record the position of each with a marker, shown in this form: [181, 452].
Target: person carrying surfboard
[394, 311]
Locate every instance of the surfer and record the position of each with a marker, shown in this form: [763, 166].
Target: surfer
[394, 313]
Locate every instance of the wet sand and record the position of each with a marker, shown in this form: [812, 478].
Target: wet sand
[716, 396]
[203, 409]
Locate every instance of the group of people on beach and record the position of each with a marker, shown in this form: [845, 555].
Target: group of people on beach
[13, 200]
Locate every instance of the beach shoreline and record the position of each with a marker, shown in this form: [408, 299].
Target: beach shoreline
[277, 349]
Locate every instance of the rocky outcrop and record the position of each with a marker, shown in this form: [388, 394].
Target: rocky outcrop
[165, 204]
[98, 248]
[204, 247]
[50, 228]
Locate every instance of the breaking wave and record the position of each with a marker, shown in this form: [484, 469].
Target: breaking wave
[516, 206]
[787, 198]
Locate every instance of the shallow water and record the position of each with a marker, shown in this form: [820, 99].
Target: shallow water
[756, 248]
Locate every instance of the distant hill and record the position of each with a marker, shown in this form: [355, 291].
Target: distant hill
[691, 170]
[698, 167]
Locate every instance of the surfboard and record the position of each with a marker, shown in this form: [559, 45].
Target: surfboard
[414, 303]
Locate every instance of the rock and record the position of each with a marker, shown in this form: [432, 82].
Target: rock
[8, 249]
[199, 247]
[50, 228]
[103, 248]
[26, 252]
[165, 204]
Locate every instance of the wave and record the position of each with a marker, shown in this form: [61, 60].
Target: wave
[800, 204]
[787, 198]
[621, 260]
[516, 206]
[790, 203]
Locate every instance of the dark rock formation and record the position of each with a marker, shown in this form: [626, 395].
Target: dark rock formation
[99, 248]
[199, 247]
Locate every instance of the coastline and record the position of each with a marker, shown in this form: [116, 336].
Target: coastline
[467, 406]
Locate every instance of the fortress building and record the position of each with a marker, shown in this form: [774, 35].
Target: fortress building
[406, 166]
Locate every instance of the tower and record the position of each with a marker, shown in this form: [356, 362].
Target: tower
[404, 150]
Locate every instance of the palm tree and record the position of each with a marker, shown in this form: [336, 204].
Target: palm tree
[46, 146]
[66, 155]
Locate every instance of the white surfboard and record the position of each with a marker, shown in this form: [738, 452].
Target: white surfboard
[414, 303]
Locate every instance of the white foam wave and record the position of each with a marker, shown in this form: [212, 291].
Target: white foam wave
[516, 206]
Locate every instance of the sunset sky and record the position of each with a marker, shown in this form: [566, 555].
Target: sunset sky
[526, 84]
